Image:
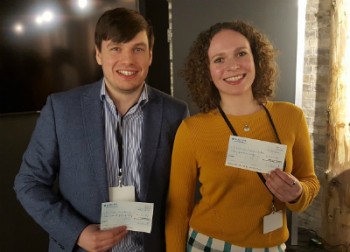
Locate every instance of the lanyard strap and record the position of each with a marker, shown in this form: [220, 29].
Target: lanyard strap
[273, 126]
[120, 151]
[235, 133]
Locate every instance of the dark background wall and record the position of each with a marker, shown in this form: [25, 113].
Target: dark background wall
[159, 73]
[18, 231]
[50, 57]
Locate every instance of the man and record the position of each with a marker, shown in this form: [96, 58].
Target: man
[118, 131]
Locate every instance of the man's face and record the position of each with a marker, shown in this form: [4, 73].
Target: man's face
[125, 65]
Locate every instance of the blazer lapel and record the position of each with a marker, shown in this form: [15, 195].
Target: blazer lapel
[153, 114]
[93, 119]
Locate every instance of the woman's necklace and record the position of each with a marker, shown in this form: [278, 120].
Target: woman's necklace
[246, 128]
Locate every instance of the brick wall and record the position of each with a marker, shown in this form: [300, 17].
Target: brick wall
[315, 92]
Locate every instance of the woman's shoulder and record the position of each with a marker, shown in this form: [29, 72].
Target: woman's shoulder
[202, 120]
[283, 107]
[197, 117]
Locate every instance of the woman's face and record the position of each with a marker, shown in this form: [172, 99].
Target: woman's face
[231, 64]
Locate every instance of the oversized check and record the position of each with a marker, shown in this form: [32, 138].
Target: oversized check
[255, 155]
[136, 216]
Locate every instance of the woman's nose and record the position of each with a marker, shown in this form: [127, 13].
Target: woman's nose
[232, 64]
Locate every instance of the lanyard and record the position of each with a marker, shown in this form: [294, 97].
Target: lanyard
[121, 145]
[234, 131]
[120, 151]
[274, 130]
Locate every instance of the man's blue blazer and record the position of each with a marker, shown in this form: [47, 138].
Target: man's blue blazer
[67, 149]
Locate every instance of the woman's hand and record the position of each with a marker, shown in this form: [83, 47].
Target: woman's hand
[284, 186]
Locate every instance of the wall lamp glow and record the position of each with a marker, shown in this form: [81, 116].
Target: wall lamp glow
[82, 4]
[18, 28]
[46, 17]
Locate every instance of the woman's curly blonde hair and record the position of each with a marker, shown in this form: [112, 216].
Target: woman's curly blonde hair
[196, 70]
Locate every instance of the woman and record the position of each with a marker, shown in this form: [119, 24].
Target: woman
[231, 73]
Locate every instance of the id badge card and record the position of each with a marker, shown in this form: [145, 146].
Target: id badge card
[124, 193]
[272, 222]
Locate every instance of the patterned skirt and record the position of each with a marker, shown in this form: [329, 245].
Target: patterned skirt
[198, 242]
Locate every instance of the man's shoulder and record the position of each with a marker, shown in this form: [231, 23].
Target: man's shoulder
[87, 89]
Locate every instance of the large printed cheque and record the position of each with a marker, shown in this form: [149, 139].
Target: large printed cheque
[255, 155]
[137, 216]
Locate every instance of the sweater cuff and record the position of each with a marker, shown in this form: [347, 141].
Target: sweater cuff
[301, 203]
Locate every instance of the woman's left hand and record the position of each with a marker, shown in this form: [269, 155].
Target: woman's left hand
[284, 186]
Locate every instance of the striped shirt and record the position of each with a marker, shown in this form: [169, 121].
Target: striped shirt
[131, 133]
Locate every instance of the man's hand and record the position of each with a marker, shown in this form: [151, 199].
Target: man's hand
[95, 240]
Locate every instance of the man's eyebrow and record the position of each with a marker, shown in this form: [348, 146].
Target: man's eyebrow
[141, 44]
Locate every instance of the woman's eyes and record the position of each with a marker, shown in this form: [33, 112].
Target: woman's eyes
[218, 60]
[237, 55]
[242, 53]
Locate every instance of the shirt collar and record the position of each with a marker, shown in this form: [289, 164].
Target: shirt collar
[143, 99]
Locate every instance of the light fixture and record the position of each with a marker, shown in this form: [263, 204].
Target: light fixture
[18, 28]
[82, 4]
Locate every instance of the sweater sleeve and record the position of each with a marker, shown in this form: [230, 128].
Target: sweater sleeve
[182, 186]
[303, 167]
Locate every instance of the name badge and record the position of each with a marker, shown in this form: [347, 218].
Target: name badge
[273, 221]
[124, 193]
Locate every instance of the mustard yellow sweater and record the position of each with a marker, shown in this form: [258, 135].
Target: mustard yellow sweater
[234, 200]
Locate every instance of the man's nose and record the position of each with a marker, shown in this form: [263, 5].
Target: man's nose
[126, 56]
